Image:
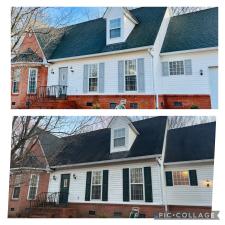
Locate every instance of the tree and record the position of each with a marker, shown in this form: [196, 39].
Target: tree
[183, 10]
[26, 131]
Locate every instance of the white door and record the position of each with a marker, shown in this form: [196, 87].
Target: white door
[213, 84]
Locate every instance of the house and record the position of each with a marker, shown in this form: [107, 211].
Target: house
[145, 58]
[142, 165]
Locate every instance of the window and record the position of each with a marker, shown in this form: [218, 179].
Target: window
[119, 137]
[178, 104]
[16, 189]
[181, 177]
[137, 184]
[96, 185]
[32, 82]
[115, 28]
[130, 75]
[93, 77]
[33, 186]
[176, 68]
[89, 104]
[16, 80]
[133, 105]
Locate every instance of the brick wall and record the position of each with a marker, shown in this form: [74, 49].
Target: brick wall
[17, 207]
[19, 100]
[184, 101]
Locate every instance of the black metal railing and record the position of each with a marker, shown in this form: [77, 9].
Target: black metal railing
[54, 91]
[47, 92]
[46, 199]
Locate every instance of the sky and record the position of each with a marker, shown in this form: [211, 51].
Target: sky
[73, 15]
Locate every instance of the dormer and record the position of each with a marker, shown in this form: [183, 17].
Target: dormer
[123, 134]
[119, 24]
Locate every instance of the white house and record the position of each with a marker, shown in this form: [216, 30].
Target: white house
[142, 164]
[144, 56]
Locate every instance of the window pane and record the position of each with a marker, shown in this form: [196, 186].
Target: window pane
[34, 180]
[32, 81]
[115, 23]
[119, 133]
[176, 68]
[16, 192]
[96, 177]
[119, 142]
[181, 177]
[115, 33]
[32, 193]
[93, 84]
[96, 192]
[130, 67]
[136, 175]
[131, 84]
[136, 191]
[93, 70]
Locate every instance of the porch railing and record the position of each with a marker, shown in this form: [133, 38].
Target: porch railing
[47, 199]
[47, 92]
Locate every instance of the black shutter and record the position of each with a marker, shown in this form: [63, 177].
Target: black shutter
[169, 178]
[193, 178]
[126, 185]
[88, 186]
[105, 185]
[148, 184]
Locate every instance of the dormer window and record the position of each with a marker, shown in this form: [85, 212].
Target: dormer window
[115, 28]
[119, 137]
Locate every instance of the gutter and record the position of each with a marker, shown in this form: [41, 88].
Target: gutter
[189, 162]
[102, 54]
[154, 89]
[107, 161]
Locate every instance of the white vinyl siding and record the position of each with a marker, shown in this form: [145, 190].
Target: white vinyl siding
[33, 187]
[115, 185]
[32, 81]
[75, 79]
[191, 195]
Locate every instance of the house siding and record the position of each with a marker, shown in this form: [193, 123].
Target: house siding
[191, 195]
[115, 191]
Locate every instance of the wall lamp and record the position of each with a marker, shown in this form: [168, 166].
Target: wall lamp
[52, 71]
[54, 177]
[74, 176]
[201, 72]
[71, 69]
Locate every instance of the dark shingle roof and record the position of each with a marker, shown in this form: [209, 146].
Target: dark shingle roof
[27, 56]
[90, 37]
[95, 146]
[192, 31]
[191, 143]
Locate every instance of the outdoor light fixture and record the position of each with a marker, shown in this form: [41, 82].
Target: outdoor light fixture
[52, 71]
[74, 176]
[208, 183]
[54, 177]
[71, 69]
[201, 72]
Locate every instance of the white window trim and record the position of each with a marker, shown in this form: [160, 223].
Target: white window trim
[18, 81]
[28, 84]
[98, 200]
[176, 74]
[122, 146]
[134, 91]
[120, 27]
[14, 190]
[94, 77]
[181, 185]
[30, 187]
[137, 183]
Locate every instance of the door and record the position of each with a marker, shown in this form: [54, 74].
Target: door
[63, 79]
[64, 188]
[213, 84]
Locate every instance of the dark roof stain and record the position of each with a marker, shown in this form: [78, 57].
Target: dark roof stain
[191, 143]
[192, 31]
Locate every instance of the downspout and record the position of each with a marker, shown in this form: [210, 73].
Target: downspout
[153, 77]
[162, 170]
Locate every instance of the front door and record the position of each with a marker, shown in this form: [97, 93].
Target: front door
[63, 79]
[64, 188]
[213, 83]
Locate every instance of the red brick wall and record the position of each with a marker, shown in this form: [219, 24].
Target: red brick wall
[30, 41]
[17, 207]
[188, 101]
[103, 101]
[21, 98]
